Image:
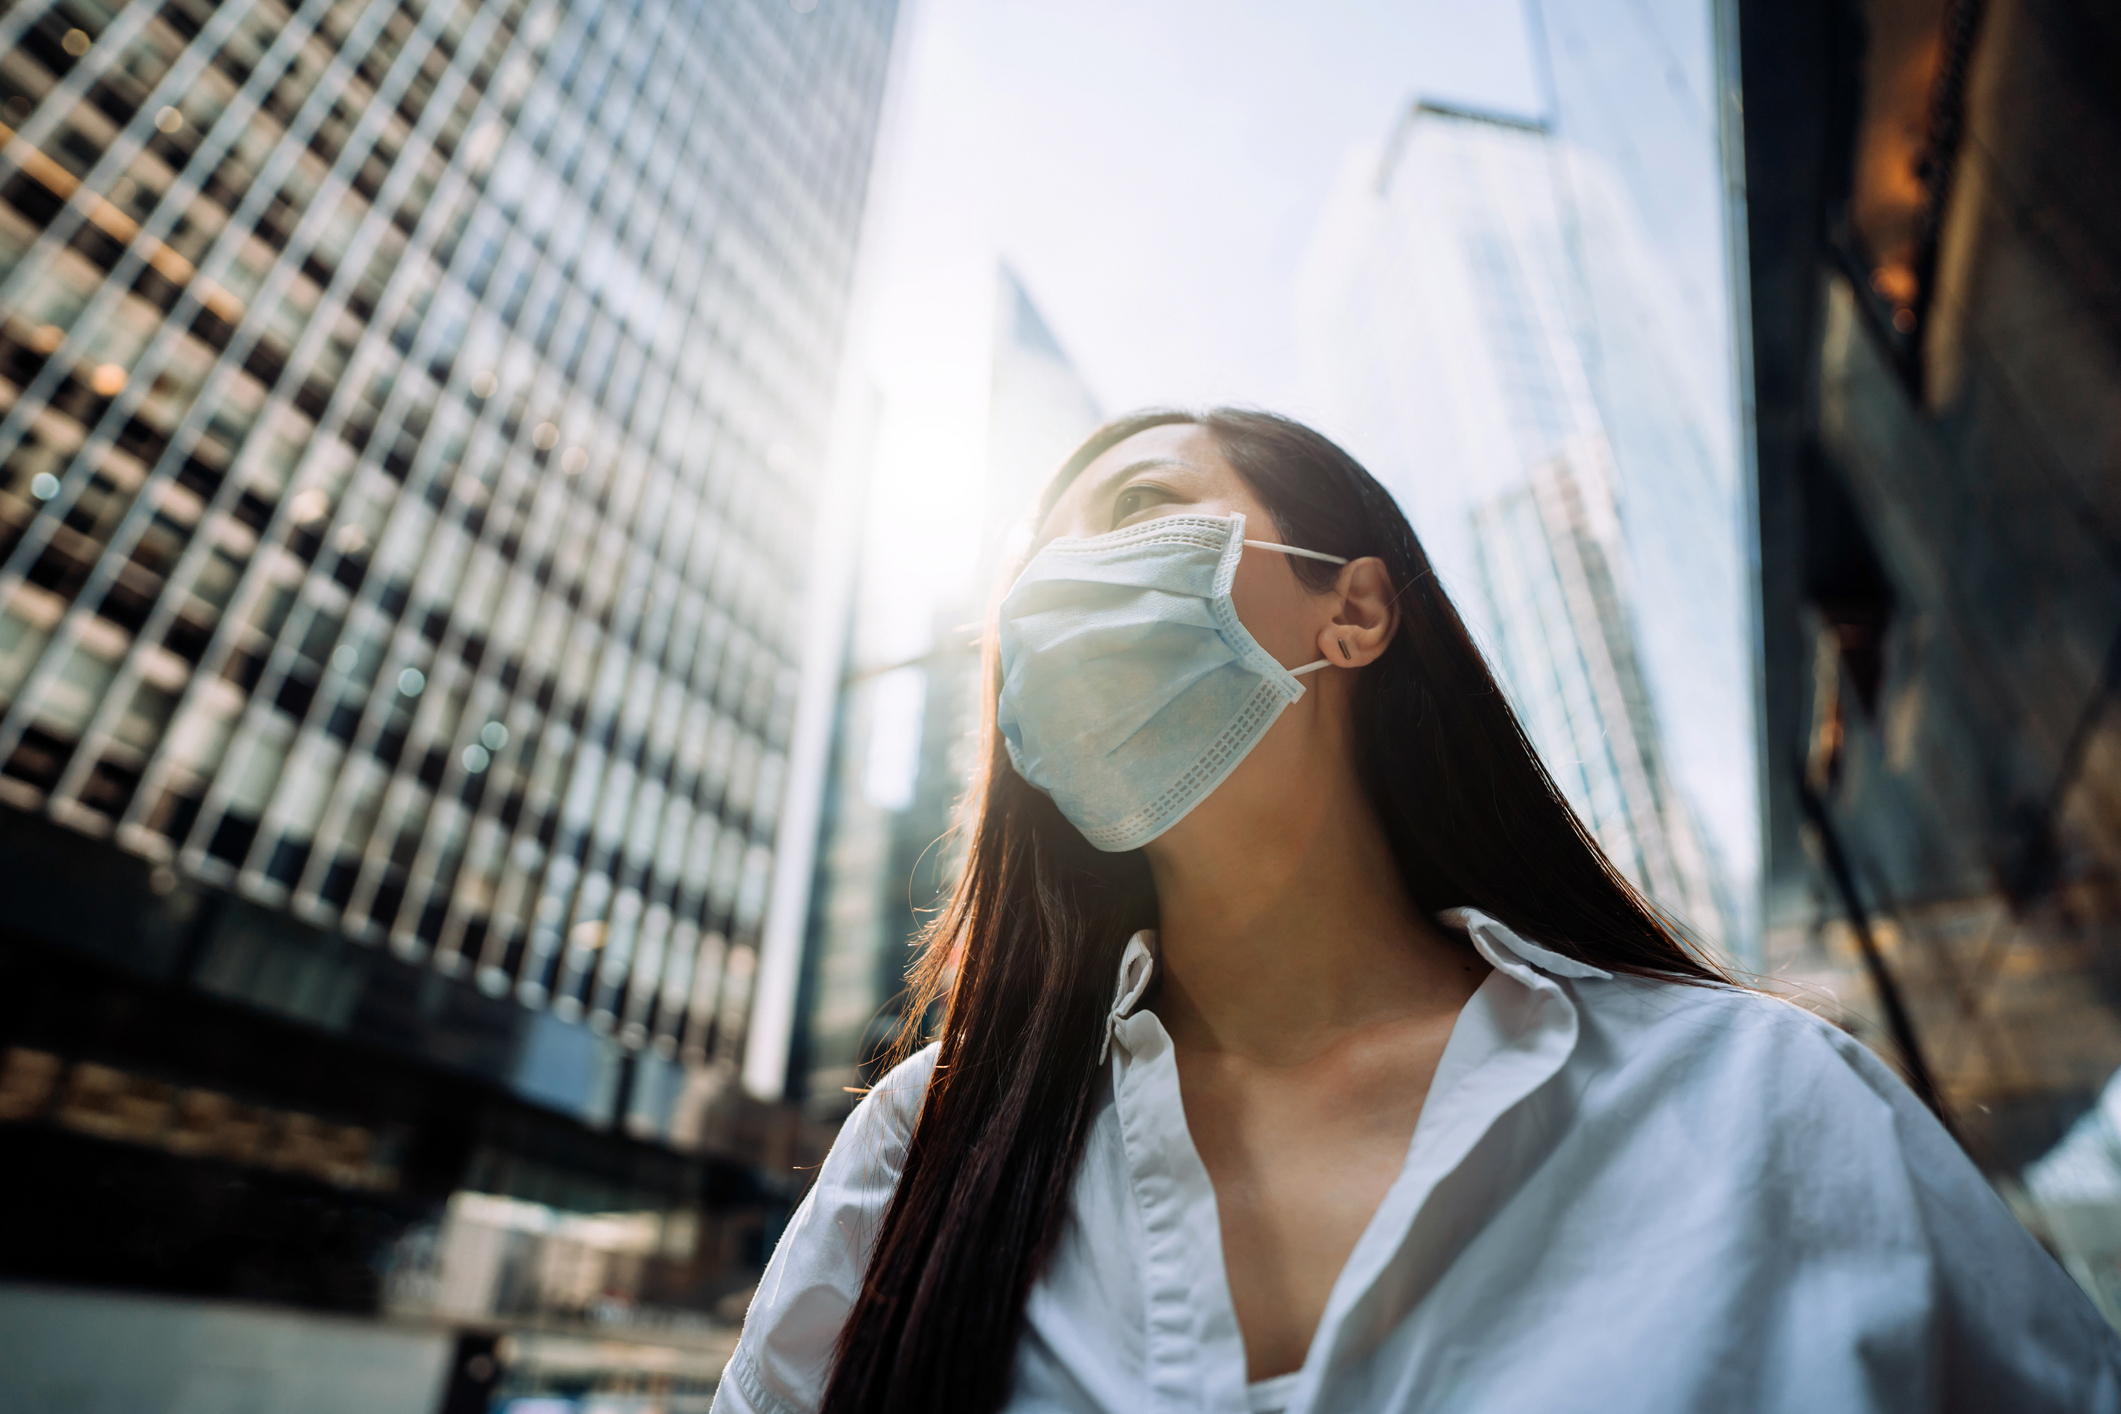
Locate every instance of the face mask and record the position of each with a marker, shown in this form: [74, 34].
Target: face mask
[1129, 689]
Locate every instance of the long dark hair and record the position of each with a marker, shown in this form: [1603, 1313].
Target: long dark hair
[1022, 957]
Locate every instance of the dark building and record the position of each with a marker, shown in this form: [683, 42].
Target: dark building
[412, 430]
[1932, 196]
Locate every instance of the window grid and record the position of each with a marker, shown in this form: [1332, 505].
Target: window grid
[482, 347]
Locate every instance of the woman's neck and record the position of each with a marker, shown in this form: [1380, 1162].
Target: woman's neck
[1285, 927]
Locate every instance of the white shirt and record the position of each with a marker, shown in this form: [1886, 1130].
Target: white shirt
[1621, 1195]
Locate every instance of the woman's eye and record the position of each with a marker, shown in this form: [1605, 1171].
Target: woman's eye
[1132, 501]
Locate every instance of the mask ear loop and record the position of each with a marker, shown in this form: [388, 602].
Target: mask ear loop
[1282, 549]
[1276, 545]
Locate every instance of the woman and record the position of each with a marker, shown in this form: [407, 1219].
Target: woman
[1409, 1100]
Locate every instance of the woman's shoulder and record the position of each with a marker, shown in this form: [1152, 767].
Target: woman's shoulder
[1792, 1129]
[1677, 1040]
[831, 1234]
[1756, 1085]
[881, 1125]
[785, 1354]
[902, 1087]
[1684, 1012]
[1723, 1043]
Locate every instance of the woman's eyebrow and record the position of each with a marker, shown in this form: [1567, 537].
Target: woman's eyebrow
[1107, 483]
[1132, 469]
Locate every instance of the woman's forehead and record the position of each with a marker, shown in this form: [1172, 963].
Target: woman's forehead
[1185, 442]
[1182, 450]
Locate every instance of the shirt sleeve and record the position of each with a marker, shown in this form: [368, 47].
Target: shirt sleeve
[2010, 1328]
[784, 1355]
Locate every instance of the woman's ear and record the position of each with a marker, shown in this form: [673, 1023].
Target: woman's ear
[1368, 615]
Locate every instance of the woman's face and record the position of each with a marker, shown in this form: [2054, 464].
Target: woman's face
[1178, 470]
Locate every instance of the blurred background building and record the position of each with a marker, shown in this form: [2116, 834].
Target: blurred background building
[1586, 526]
[1038, 410]
[908, 735]
[414, 419]
[1934, 227]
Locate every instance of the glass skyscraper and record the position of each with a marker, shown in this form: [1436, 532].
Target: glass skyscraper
[412, 422]
[1038, 409]
[1573, 493]
[909, 734]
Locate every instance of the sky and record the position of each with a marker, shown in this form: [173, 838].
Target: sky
[1152, 173]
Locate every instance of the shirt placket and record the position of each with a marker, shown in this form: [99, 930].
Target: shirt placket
[1516, 1034]
[1523, 1033]
[1194, 1352]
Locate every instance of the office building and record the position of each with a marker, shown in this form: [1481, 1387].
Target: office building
[1038, 409]
[1575, 507]
[1635, 87]
[909, 734]
[411, 436]
[1935, 356]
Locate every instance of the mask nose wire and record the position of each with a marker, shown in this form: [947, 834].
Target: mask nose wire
[1280, 548]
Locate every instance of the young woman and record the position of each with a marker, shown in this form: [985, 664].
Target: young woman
[1301, 1051]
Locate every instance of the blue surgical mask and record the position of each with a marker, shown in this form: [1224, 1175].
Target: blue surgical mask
[1129, 689]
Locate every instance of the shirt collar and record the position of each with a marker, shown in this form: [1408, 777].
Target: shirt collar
[1504, 948]
[1522, 959]
[1137, 968]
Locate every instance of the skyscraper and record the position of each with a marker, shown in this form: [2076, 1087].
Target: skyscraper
[1586, 526]
[1038, 408]
[414, 414]
[909, 734]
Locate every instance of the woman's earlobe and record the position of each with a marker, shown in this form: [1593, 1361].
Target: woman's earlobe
[1343, 646]
[1367, 618]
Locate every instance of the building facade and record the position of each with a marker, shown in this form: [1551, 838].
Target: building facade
[413, 430]
[1568, 492]
[909, 737]
[1038, 409]
[1935, 352]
